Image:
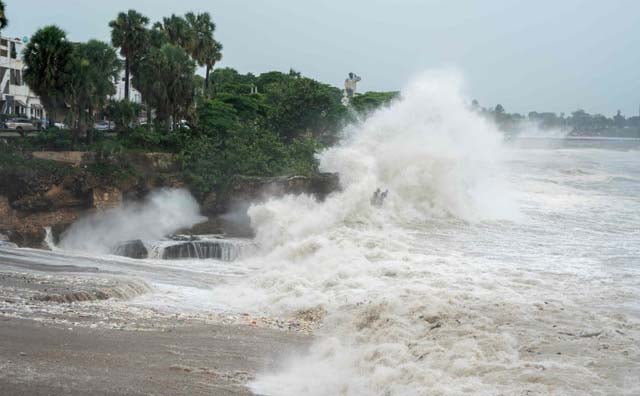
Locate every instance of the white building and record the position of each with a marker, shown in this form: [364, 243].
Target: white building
[134, 95]
[15, 96]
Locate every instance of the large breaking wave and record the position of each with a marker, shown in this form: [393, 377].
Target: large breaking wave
[365, 265]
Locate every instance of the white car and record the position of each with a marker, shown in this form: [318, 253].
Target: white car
[104, 125]
[20, 124]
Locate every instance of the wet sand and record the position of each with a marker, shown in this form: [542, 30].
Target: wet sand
[50, 346]
[45, 359]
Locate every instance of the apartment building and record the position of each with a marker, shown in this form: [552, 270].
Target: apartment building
[15, 96]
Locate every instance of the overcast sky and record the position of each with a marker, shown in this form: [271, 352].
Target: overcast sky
[543, 55]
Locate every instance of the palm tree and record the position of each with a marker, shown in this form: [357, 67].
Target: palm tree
[165, 79]
[3, 18]
[202, 29]
[213, 55]
[205, 50]
[177, 31]
[129, 32]
[96, 66]
[48, 59]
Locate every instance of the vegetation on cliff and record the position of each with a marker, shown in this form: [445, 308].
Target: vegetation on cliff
[220, 125]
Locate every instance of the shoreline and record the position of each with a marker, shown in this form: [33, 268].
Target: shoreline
[195, 359]
[73, 330]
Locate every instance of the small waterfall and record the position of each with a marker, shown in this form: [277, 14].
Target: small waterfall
[182, 248]
[49, 241]
[225, 250]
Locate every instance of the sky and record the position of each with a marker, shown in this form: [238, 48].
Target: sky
[544, 55]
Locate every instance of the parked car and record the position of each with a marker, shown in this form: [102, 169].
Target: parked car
[21, 124]
[104, 125]
[183, 124]
[60, 125]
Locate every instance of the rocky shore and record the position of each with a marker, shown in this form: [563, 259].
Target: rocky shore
[65, 186]
[78, 325]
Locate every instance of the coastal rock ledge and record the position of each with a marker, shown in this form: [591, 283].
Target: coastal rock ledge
[56, 196]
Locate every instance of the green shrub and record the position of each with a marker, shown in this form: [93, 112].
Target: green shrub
[142, 138]
[111, 170]
[302, 156]
[53, 139]
[12, 159]
[123, 113]
[109, 147]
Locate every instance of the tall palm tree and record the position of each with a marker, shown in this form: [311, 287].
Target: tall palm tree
[214, 55]
[165, 79]
[129, 32]
[201, 28]
[96, 66]
[48, 59]
[177, 31]
[3, 17]
[205, 50]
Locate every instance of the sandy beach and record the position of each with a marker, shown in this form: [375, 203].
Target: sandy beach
[64, 331]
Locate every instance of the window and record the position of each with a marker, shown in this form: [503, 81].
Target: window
[4, 53]
[16, 77]
[4, 42]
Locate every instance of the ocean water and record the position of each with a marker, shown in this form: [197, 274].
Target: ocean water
[547, 303]
[492, 268]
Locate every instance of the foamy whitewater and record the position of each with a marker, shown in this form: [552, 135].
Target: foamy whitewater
[491, 268]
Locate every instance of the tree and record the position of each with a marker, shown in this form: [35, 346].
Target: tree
[250, 108]
[204, 49]
[580, 120]
[122, 112]
[230, 81]
[165, 77]
[213, 54]
[217, 120]
[371, 101]
[95, 68]
[619, 120]
[272, 77]
[3, 17]
[128, 32]
[300, 106]
[48, 59]
[177, 31]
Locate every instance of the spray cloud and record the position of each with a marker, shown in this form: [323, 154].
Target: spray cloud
[162, 212]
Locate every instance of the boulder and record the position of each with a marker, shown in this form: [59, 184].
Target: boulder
[133, 249]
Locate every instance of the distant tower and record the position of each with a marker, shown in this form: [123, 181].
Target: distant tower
[350, 86]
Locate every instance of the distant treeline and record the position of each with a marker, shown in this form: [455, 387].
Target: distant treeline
[578, 123]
